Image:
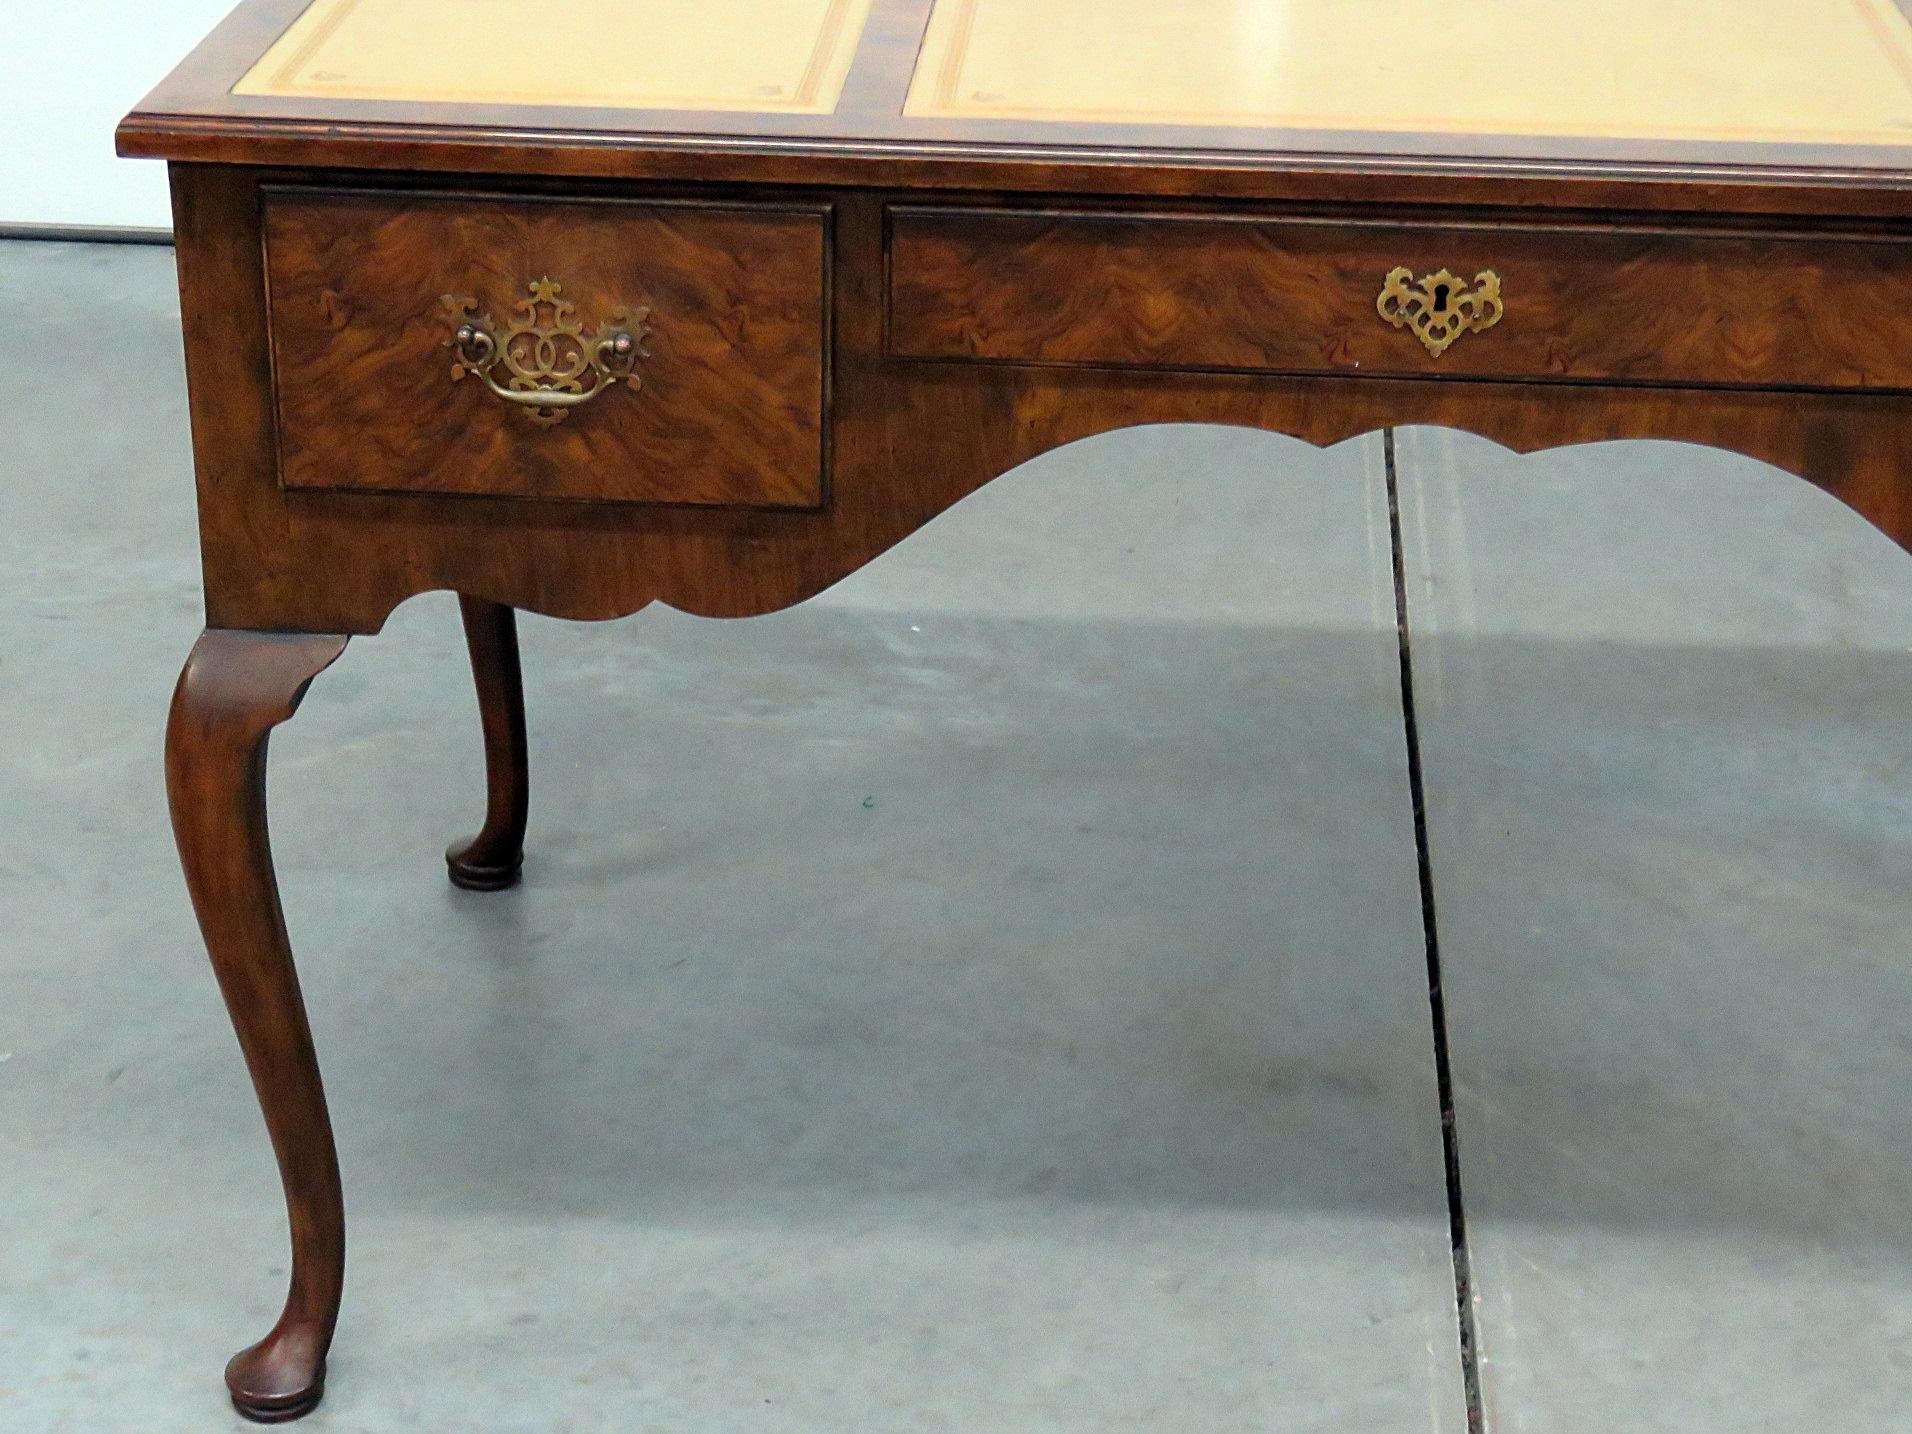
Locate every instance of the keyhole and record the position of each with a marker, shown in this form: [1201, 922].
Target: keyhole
[1440, 298]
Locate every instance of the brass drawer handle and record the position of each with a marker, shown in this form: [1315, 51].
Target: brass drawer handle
[549, 364]
[1441, 307]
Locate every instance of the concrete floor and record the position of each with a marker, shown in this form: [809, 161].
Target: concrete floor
[992, 996]
[1663, 699]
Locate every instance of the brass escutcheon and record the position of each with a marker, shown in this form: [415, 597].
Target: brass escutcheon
[1441, 307]
[549, 364]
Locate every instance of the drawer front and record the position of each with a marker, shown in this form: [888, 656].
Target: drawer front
[1305, 297]
[719, 390]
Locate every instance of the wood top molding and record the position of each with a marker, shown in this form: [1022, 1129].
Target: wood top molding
[1787, 107]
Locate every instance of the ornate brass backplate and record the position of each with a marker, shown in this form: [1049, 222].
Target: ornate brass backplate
[1441, 307]
[549, 364]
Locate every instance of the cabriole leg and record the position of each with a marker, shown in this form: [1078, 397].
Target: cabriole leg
[236, 687]
[492, 860]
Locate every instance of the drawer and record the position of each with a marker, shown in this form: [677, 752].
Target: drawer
[1304, 296]
[722, 311]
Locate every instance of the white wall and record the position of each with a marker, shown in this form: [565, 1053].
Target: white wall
[69, 71]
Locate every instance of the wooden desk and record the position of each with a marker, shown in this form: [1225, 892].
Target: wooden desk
[579, 308]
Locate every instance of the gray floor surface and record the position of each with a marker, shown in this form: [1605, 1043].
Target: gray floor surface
[993, 996]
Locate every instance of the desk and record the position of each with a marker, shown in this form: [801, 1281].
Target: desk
[581, 308]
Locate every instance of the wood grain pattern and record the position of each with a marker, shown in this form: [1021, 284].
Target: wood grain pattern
[730, 410]
[236, 687]
[1608, 303]
[908, 440]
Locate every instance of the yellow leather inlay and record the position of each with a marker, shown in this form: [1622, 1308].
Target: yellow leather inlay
[773, 56]
[1808, 71]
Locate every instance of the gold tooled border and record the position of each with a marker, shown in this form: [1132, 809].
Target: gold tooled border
[287, 80]
[1886, 22]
